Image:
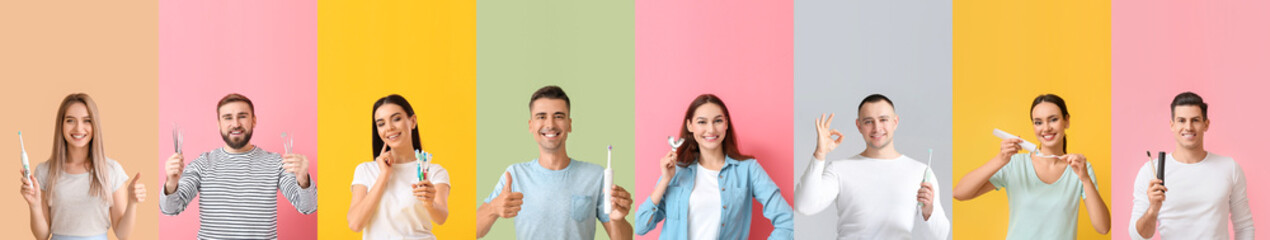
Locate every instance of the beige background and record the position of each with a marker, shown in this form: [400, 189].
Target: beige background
[108, 49]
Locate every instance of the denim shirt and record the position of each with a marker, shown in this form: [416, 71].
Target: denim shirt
[739, 181]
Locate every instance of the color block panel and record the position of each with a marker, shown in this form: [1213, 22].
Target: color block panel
[1214, 48]
[846, 50]
[742, 52]
[424, 51]
[1005, 53]
[585, 47]
[263, 50]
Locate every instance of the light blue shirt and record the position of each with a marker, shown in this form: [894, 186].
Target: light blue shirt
[739, 181]
[558, 204]
[1039, 210]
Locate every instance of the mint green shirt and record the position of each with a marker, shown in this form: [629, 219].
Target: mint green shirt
[1039, 210]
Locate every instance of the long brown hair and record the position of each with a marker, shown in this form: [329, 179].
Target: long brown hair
[97, 167]
[689, 151]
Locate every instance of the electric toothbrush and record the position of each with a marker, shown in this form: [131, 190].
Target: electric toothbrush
[608, 183]
[930, 156]
[26, 164]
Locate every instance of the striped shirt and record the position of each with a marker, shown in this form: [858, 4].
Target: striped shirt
[238, 194]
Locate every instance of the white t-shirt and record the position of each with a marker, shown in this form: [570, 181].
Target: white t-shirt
[400, 215]
[875, 198]
[704, 205]
[1202, 196]
[75, 211]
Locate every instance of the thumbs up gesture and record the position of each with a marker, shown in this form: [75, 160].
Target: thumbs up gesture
[507, 204]
[136, 191]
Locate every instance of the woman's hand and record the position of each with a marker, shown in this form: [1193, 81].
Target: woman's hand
[425, 192]
[385, 163]
[1077, 163]
[1009, 147]
[31, 190]
[668, 164]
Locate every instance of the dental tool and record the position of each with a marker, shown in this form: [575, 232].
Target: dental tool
[26, 164]
[287, 143]
[674, 143]
[608, 183]
[422, 158]
[177, 138]
[1029, 146]
[930, 156]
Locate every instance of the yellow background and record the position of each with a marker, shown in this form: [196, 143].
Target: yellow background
[1005, 53]
[423, 50]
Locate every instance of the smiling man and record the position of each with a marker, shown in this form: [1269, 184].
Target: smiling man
[554, 196]
[880, 193]
[1204, 189]
[238, 184]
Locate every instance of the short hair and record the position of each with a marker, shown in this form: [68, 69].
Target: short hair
[1188, 99]
[234, 97]
[550, 92]
[874, 98]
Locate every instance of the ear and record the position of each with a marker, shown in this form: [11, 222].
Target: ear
[414, 121]
[1207, 123]
[688, 125]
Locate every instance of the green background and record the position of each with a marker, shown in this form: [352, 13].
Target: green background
[585, 47]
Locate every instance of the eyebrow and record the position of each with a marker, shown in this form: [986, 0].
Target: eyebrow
[389, 116]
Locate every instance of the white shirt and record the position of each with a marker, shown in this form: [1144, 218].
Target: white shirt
[75, 211]
[399, 214]
[704, 205]
[875, 198]
[1200, 198]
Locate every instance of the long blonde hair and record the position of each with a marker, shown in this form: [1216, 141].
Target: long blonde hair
[98, 168]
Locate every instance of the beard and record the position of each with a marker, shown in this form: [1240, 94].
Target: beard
[236, 144]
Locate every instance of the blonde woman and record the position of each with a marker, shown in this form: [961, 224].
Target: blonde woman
[79, 193]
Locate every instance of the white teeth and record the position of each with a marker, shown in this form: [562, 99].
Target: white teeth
[549, 134]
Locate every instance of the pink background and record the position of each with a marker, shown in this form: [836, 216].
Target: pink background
[1216, 49]
[266, 50]
[740, 51]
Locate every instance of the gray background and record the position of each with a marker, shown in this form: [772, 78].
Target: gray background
[846, 50]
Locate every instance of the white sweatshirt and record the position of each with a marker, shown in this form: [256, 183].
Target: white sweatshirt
[1200, 198]
[875, 198]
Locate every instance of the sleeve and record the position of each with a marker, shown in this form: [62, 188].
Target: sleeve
[118, 177]
[498, 185]
[816, 189]
[1001, 178]
[774, 206]
[649, 214]
[304, 199]
[1140, 201]
[41, 175]
[186, 189]
[1089, 169]
[364, 175]
[937, 226]
[1240, 211]
[438, 174]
